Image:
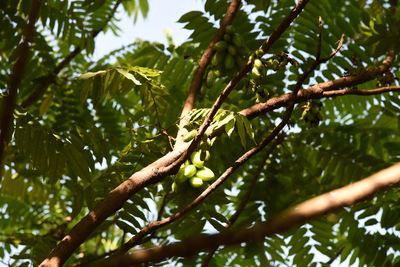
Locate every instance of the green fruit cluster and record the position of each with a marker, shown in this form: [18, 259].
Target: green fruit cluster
[259, 71]
[229, 55]
[386, 79]
[312, 113]
[194, 171]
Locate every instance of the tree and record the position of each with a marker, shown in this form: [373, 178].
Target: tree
[112, 162]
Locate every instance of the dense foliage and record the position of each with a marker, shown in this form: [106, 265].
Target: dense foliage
[80, 128]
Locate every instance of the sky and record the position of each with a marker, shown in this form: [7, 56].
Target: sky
[162, 15]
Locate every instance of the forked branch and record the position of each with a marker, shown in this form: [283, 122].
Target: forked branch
[152, 173]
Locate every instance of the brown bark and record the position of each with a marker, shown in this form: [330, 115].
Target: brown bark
[345, 196]
[317, 91]
[202, 66]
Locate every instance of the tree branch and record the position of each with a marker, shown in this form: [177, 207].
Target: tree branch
[154, 225]
[50, 78]
[112, 202]
[16, 76]
[239, 75]
[317, 91]
[345, 196]
[253, 182]
[202, 65]
[284, 25]
[313, 92]
[375, 91]
[246, 197]
[154, 172]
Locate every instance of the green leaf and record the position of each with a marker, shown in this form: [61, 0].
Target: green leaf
[129, 76]
[91, 74]
[241, 130]
[230, 127]
[190, 16]
[249, 128]
[46, 104]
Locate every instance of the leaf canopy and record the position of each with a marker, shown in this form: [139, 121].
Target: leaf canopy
[94, 123]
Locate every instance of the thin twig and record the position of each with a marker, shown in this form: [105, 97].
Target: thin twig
[351, 91]
[253, 182]
[284, 25]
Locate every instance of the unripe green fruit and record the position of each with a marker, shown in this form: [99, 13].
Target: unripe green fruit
[269, 63]
[258, 63]
[205, 174]
[237, 40]
[217, 73]
[180, 176]
[174, 187]
[218, 58]
[196, 159]
[190, 171]
[229, 29]
[229, 62]
[204, 155]
[232, 50]
[189, 136]
[221, 45]
[227, 37]
[255, 72]
[275, 64]
[210, 79]
[259, 52]
[196, 181]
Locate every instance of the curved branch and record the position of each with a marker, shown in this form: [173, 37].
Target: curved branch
[152, 226]
[253, 182]
[50, 78]
[375, 91]
[112, 202]
[345, 196]
[16, 76]
[313, 92]
[154, 172]
[204, 61]
[316, 91]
